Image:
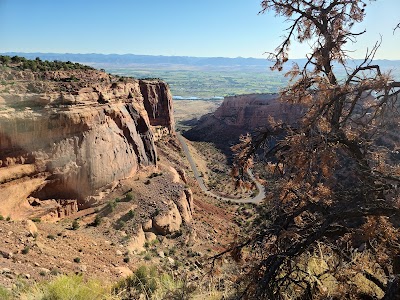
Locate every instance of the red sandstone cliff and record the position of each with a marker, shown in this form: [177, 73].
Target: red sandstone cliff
[68, 134]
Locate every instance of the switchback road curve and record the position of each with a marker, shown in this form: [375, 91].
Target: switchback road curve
[257, 199]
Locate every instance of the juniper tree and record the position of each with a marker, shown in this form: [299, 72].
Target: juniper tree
[334, 174]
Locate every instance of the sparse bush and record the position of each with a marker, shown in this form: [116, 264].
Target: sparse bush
[5, 294]
[66, 287]
[149, 281]
[154, 242]
[97, 221]
[77, 260]
[111, 205]
[120, 224]
[130, 214]
[172, 251]
[51, 237]
[75, 225]
[26, 250]
[141, 282]
[178, 264]
[129, 197]
[55, 271]
[1, 218]
[36, 220]
[147, 182]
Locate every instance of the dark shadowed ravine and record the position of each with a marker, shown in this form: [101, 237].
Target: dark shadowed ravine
[257, 199]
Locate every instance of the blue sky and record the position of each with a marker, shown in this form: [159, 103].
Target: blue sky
[228, 28]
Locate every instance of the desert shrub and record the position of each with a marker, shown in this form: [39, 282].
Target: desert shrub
[5, 59]
[67, 287]
[128, 197]
[75, 225]
[97, 221]
[147, 257]
[26, 250]
[130, 214]
[5, 294]
[153, 284]
[111, 205]
[55, 271]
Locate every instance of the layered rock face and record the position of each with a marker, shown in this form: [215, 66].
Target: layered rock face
[253, 111]
[158, 103]
[68, 134]
[241, 114]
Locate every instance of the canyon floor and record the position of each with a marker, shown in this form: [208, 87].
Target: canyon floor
[188, 112]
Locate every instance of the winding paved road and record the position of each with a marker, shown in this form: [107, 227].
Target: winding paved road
[257, 199]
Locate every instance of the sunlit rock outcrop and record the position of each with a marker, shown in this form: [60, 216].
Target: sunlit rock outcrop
[67, 134]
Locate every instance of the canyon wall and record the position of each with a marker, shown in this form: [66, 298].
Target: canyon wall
[68, 134]
[240, 115]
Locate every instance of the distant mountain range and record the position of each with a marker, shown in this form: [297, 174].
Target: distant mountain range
[133, 59]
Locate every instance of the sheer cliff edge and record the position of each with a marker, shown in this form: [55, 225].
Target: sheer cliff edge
[68, 134]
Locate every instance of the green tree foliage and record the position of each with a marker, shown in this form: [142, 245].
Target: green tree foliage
[5, 60]
[21, 63]
[333, 174]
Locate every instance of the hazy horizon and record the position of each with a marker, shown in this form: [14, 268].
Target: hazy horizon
[162, 55]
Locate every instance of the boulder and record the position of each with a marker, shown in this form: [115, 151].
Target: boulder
[136, 244]
[30, 227]
[169, 221]
[6, 253]
[148, 225]
[150, 236]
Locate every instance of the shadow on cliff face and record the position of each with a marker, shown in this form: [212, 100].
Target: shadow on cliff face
[239, 115]
[213, 130]
[56, 189]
